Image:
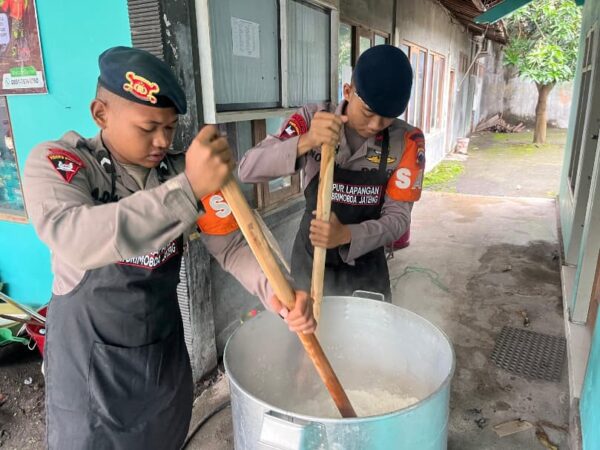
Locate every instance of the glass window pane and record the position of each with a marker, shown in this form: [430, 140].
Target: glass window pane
[430, 91]
[308, 53]
[434, 92]
[364, 44]
[345, 58]
[280, 183]
[420, 93]
[440, 97]
[245, 44]
[379, 40]
[404, 48]
[414, 61]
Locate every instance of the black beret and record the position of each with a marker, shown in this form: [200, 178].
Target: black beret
[383, 80]
[140, 77]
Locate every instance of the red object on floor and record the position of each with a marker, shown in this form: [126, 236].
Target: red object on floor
[403, 242]
[34, 332]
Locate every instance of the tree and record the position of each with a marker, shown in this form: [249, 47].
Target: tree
[543, 44]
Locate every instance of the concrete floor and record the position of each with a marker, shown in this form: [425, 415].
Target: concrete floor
[488, 258]
[510, 165]
[470, 242]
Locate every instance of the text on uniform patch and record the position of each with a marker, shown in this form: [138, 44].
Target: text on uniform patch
[350, 194]
[154, 259]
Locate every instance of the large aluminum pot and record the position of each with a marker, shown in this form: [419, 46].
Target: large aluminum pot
[370, 344]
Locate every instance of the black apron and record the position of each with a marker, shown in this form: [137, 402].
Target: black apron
[357, 197]
[118, 374]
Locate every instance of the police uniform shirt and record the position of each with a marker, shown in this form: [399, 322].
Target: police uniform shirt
[276, 156]
[68, 198]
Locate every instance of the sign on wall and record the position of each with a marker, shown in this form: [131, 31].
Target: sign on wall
[21, 64]
[11, 194]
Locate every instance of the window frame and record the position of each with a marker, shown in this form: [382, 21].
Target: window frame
[204, 30]
[265, 198]
[587, 73]
[436, 124]
[359, 31]
[426, 121]
[422, 119]
[356, 32]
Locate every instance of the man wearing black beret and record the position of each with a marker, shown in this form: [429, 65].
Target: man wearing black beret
[378, 174]
[113, 210]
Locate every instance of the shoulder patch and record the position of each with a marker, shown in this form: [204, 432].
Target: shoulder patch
[417, 137]
[295, 126]
[65, 163]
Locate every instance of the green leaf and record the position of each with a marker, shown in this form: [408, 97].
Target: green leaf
[544, 40]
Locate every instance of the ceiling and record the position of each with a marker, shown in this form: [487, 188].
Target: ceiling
[465, 12]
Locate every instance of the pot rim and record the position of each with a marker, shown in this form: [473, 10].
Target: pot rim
[380, 417]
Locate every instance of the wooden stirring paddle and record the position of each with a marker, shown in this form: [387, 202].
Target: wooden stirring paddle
[281, 286]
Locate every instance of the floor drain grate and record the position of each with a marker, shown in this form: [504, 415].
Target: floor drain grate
[530, 354]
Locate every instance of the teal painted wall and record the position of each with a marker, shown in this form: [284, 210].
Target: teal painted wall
[73, 34]
[590, 396]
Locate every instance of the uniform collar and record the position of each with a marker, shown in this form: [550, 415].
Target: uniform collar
[341, 107]
[96, 144]
[345, 154]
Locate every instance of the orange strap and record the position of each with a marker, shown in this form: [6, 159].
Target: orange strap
[218, 218]
[406, 182]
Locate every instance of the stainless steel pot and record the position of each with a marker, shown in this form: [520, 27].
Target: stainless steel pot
[369, 344]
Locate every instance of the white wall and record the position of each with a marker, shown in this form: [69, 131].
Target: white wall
[520, 100]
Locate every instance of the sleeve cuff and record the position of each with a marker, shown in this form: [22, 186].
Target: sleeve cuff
[351, 251]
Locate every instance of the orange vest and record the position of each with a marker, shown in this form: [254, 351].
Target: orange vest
[406, 182]
[218, 218]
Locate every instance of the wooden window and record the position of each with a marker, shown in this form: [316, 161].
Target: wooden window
[426, 107]
[435, 105]
[365, 38]
[344, 57]
[379, 39]
[254, 65]
[353, 41]
[274, 192]
[415, 112]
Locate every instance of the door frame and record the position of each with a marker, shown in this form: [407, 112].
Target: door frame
[580, 195]
[450, 113]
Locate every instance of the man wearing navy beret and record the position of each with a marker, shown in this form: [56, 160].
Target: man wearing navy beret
[114, 210]
[378, 173]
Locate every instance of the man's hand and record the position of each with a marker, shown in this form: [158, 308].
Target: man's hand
[300, 319]
[208, 162]
[325, 128]
[330, 234]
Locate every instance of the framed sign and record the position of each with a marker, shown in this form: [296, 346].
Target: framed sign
[21, 63]
[12, 206]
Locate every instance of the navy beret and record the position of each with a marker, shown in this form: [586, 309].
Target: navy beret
[140, 77]
[383, 79]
